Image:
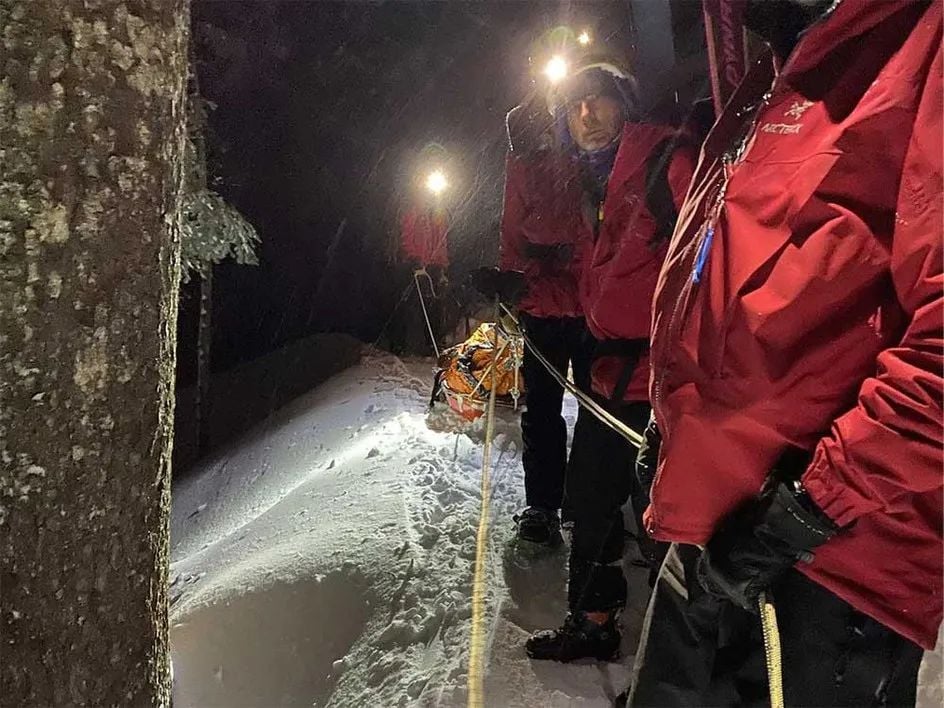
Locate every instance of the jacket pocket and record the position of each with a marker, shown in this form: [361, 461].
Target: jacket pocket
[771, 211]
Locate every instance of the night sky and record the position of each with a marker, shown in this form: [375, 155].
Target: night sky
[322, 110]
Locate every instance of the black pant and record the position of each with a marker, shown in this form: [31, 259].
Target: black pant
[408, 332]
[600, 478]
[562, 341]
[697, 650]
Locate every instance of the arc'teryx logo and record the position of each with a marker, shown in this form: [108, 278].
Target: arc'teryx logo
[797, 110]
[782, 128]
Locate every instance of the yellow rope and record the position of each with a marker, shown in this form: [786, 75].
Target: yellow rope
[768, 620]
[768, 614]
[477, 644]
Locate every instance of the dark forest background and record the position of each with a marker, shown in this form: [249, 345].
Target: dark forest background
[320, 112]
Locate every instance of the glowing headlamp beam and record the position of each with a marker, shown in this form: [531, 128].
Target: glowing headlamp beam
[584, 38]
[556, 69]
[436, 182]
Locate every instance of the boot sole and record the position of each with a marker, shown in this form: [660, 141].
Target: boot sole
[553, 542]
[609, 658]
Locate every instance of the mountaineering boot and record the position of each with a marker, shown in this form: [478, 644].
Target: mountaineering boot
[540, 526]
[582, 636]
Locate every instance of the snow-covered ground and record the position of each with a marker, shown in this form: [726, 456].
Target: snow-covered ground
[326, 560]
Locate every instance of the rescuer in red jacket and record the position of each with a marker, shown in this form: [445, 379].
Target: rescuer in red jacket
[632, 174]
[797, 372]
[423, 237]
[539, 229]
[423, 247]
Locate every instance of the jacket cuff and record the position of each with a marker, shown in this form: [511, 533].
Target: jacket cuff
[839, 501]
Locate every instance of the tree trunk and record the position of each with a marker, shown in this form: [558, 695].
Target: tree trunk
[91, 144]
[204, 345]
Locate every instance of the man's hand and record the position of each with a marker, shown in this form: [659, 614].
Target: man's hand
[647, 459]
[439, 277]
[760, 542]
[555, 253]
[509, 286]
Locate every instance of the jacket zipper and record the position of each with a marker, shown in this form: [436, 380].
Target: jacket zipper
[730, 161]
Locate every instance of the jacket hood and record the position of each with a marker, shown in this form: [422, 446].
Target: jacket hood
[843, 22]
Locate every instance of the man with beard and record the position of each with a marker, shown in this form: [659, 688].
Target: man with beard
[633, 173]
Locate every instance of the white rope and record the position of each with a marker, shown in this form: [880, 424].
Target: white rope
[768, 613]
[419, 292]
[586, 401]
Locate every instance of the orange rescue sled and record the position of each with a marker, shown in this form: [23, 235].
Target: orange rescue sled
[464, 377]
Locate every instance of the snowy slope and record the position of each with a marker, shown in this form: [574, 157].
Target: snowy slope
[326, 560]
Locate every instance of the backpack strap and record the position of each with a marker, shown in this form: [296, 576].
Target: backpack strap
[659, 198]
[631, 351]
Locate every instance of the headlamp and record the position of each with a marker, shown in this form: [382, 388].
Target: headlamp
[436, 182]
[556, 69]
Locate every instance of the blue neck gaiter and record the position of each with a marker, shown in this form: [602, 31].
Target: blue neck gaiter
[599, 163]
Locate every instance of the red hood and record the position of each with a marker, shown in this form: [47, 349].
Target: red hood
[636, 144]
[846, 21]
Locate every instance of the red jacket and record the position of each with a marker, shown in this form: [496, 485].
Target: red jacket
[817, 317]
[619, 277]
[423, 236]
[539, 231]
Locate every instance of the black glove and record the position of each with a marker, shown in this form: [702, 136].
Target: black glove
[526, 125]
[509, 286]
[647, 459]
[437, 274]
[558, 252]
[760, 542]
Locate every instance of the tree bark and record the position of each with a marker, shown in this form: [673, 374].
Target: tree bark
[197, 132]
[204, 350]
[92, 97]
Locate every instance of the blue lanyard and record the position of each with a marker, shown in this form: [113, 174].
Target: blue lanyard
[702, 258]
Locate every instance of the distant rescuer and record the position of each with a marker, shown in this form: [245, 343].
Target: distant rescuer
[423, 248]
[797, 359]
[633, 174]
[423, 243]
